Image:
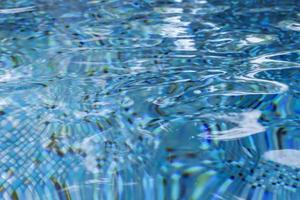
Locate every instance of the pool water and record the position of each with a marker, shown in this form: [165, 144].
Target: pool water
[149, 99]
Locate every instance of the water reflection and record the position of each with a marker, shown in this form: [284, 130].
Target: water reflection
[286, 157]
[182, 99]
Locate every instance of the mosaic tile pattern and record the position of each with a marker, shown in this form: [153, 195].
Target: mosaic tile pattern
[149, 99]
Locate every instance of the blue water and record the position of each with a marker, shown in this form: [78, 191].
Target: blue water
[149, 100]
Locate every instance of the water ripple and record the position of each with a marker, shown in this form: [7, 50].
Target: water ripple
[179, 99]
[17, 10]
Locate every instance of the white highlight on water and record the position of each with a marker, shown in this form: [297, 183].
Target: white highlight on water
[288, 157]
[246, 124]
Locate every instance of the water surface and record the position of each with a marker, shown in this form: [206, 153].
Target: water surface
[145, 99]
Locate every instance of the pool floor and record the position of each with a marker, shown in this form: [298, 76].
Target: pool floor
[149, 100]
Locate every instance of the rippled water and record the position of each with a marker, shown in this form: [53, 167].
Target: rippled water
[177, 99]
